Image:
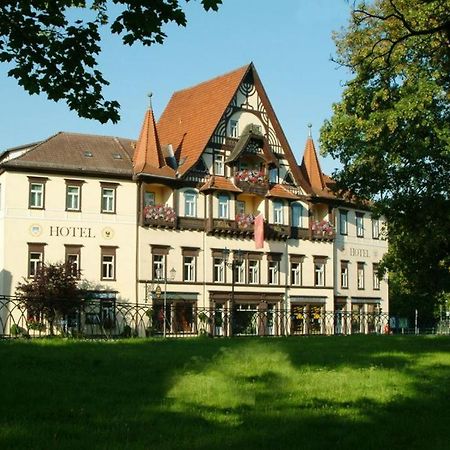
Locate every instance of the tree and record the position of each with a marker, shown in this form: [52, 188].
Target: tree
[53, 45]
[391, 131]
[52, 293]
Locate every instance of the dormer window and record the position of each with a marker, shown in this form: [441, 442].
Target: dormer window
[88, 154]
[219, 167]
[117, 156]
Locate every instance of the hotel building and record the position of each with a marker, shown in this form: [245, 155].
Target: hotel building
[169, 219]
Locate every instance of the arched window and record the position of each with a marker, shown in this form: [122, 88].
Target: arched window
[278, 212]
[190, 203]
[297, 212]
[224, 202]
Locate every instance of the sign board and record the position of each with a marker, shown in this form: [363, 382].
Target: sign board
[158, 291]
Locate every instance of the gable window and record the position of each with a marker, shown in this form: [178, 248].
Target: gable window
[319, 272]
[108, 263]
[375, 228]
[35, 258]
[190, 204]
[233, 128]
[219, 167]
[224, 201]
[343, 222]
[359, 224]
[278, 212]
[36, 196]
[360, 275]
[108, 199]
[297, 212]
[73, 257]
[376, 280]
[344, 274]
[190, 263]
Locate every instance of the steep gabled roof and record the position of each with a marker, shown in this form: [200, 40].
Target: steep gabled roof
[193, 114]
[74, 152]
[311, 167]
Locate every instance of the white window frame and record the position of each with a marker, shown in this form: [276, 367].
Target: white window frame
[189, 268]
[278, 218]
[360, 275]
[73, 260]
[296, 273]
[159, 263]
[224, 206]
[108, 199]
[239, 272]
[73, 197]
[190, 204]
[359, 225]
[376, 280]
[233, 128]
[108, 267]
[273, 272]
[219, 164]
[319, 274]
[219, 270]
[37, 195]
[375, 228]
[35, 261]
[253, 271]
[344, 276]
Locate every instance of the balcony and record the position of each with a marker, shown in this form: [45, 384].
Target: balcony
[277, 231]
[251, 181]
[322, 230]
[243, 226]
[159, 216]
[300, 233]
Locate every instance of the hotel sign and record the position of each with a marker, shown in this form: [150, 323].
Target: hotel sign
[76, 232]
[359, 252]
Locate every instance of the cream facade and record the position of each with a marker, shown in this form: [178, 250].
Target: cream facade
[169, 221]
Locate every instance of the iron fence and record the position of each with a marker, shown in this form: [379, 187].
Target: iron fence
[111, 319]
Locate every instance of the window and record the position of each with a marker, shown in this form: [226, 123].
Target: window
[35, 258]
[108, 198]
[296, 273]
[344, 274]
[149, 198]
[274, 270]
[375, 228]
[343, 222]
[278, 212]
[189, 263]
[240, 207]
[108, 269]
[73, 257]
[219, 270]
[273, 175]
[359, 224]
[376, 280]
[360, 275]
[297, 215]
[319, 272]
[253, 272]
[188, 268]
[190, 204]
[233, 129]
[239, 273]
[223, 206]
[72, 198]
[219, 167]
[158, 267]
[36, 197]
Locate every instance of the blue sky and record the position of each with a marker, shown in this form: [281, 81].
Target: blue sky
[289, 41]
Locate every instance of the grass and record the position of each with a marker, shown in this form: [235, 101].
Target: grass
[365, 392]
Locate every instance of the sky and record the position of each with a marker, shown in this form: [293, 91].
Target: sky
[289, 41]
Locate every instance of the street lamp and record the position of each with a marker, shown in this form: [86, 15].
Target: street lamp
[159, 274]
[235, 261]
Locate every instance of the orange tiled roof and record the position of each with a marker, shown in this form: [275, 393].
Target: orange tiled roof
[192, 115]
[216, 183]
[311, 167]
[281, 192]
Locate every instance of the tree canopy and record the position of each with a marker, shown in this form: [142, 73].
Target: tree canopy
[53, 45]
[391, 131]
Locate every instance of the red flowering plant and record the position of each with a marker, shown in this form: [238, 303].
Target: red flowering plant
[324, 227]
[245, 220]
[160, 212]
[251, 176]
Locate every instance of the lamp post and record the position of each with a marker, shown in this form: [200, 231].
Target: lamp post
[159, 274]
[236, 260]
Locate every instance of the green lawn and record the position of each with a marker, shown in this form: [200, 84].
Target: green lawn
[356, 392]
